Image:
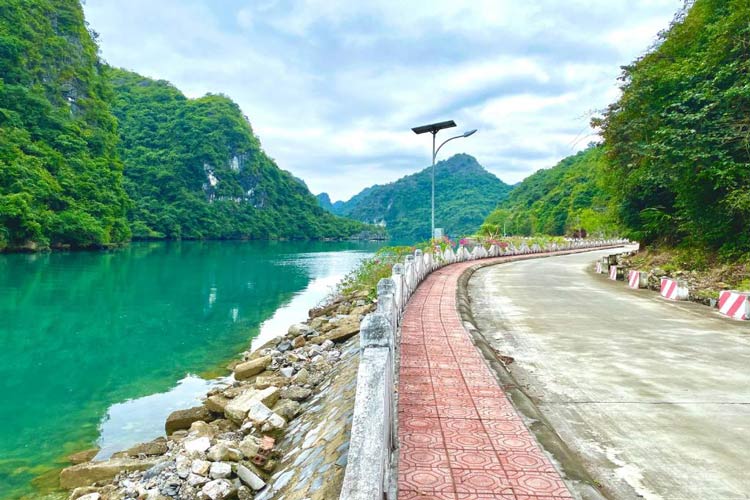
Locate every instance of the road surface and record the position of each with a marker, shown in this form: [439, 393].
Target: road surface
[652, 396]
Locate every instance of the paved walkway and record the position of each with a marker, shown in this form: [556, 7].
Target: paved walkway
[460, 437]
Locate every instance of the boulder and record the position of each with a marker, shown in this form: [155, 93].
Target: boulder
[284, 346]
[301, 377]
[237, 409]
[287, 409]
[183, 419]
[153, 448]
[298, 341]
[218, 489]
[250, 478]
[83, 456]
[197, 444]
[287, 371]
[220, 470]
[200, 467]
[90, 472]
[216, 403]
[196, 480]
[346, 327]
[258, 413]
[91, 496]
[295, 393]
[222, 452]
[183, 466]
[299, 329]
[249, 446]
[253, 367]
[318, 322]
[201, 429]
[362, 310]
[264, 382]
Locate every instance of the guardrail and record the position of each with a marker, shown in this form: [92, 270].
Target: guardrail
[373, 435]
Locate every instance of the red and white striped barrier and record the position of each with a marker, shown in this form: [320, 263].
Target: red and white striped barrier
[599, 267]
[672, 290]
[613, 273]
[636, 279]
[735, 304]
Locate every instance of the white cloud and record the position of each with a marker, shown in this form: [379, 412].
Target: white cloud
[332, 87]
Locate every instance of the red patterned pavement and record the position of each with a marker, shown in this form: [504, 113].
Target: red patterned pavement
[460, 438]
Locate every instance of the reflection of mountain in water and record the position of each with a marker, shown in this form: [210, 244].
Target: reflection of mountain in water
[81, 331]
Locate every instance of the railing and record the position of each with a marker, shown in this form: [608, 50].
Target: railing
[373, 434]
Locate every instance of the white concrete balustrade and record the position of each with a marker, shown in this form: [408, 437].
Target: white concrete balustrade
[373, 434]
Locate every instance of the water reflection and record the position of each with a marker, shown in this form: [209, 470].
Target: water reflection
[142, 419]
[83, 331]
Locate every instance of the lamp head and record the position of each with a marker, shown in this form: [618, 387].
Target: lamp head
[469, 132]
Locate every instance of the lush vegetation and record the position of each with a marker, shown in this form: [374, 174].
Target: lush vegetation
[194, 169]
[60, 177]
[464, 194]
[566, 199]
[678, 140]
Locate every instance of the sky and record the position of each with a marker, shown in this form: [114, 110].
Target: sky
[333, 87]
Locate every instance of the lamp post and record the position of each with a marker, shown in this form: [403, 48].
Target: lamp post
[434, 128]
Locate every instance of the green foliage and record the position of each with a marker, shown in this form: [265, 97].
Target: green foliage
[464, 194]
[678, 140]
[557, 201]
[367, 275]
[194, 169]
[60, 178]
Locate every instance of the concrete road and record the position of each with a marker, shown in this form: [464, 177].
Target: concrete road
[652, 396]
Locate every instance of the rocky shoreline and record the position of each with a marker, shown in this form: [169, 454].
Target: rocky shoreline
[277, 429]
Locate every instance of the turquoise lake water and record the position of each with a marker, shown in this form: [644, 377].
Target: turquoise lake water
[96, 348]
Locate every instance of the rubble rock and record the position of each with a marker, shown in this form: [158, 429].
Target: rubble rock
[237, 409]
[250, 478]
[183, 419]
[90, 472]
[295, 393]
[220, 470]
[249, 368]
[219, 489]
[222, 452]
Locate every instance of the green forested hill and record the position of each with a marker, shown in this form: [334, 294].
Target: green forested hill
[194, 169]
[464, 194]
[678, 140]
[559, 200]
[60, 178]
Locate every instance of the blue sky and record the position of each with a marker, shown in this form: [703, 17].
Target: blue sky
[332, 87]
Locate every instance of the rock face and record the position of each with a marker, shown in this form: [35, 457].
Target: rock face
[183, 419]
[91, 472]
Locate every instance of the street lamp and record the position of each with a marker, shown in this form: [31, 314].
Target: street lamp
[434, 128]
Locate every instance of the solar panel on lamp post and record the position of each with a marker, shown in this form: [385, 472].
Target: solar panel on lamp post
[434, 128]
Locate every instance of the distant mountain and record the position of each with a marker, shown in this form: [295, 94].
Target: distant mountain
[195, 169]
[558, 200]
[465, 193]
[325, 202]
